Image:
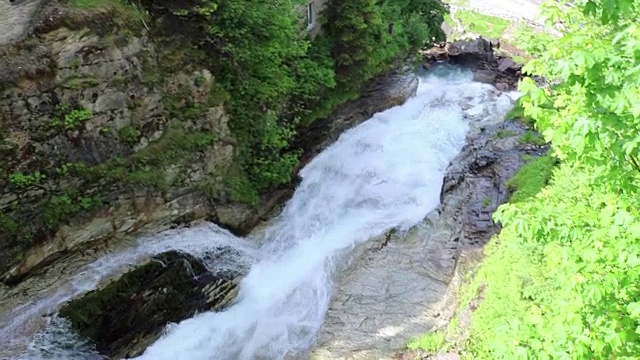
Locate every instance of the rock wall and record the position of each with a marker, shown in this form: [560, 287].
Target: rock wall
[100, 139]
[106, 132]
[16, 20]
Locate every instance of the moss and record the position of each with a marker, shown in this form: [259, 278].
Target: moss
[532, 137]
[240, 187]
[327, 105]
[124, 10]
[81, 83]
[70, 116]
[517, 113]
[531, 178]
[503, 134]
[8, 225]
[130, 134]
[23, 180]
[135, 308]
[146, 167]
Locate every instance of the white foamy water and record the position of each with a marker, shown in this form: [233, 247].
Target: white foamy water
[387, 172]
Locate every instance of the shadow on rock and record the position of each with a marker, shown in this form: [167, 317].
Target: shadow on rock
[125, 317]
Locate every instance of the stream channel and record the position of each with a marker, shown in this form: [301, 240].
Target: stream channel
[385, 173]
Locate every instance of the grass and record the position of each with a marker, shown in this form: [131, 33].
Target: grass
[131, 14]
[431, 342]
[503, 134]
[485, 25]
[532, 137]
[531, 178]
[517, 113]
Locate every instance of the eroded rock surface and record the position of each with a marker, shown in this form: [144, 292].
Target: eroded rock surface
[129, 314]
[400, 285]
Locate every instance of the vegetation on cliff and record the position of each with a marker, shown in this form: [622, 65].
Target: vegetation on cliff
[277, 78]
[562, 280]
[116, 100]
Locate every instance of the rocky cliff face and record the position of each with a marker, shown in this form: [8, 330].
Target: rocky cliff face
[107, 131]
[100, 138]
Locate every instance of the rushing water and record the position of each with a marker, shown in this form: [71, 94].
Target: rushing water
[387, 172]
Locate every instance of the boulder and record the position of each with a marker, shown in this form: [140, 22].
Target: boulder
[502, 86]
[505, 64]
[471, 50]
[129, 314]
[485, 76]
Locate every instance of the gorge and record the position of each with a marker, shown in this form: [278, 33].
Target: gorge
[111, 138]
[386, 173]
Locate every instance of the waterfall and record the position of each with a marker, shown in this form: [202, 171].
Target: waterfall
[385, 173]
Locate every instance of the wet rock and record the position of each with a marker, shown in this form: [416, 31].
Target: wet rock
[485, 76]
[502, 86]
[125, 317]
[395, 292]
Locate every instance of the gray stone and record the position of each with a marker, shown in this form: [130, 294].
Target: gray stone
[17, 18]
[485, 76]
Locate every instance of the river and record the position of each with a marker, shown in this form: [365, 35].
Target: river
[385, 173]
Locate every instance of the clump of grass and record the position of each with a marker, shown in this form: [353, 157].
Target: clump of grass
[503, 134]
[531, 178]
[517, 113]
[532, 137]
[429, 342]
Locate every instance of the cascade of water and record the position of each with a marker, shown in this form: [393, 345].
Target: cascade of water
[387, 172]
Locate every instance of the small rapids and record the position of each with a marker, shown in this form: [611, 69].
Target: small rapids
[386, 172]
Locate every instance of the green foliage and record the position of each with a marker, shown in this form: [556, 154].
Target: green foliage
[430, 342]
[263, 64]
[277, 80]
[62, 208]
[563, 279]
[517, 113]
[22, 180]
[70, 118]
[128, 10]
[484, 25]
[8, 225]
[531, 178]
[240, 188]
[595, 117]
[368, 35]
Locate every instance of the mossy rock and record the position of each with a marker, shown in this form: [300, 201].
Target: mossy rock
[129, 314]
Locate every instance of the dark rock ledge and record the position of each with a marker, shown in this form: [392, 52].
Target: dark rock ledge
[125, 317]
